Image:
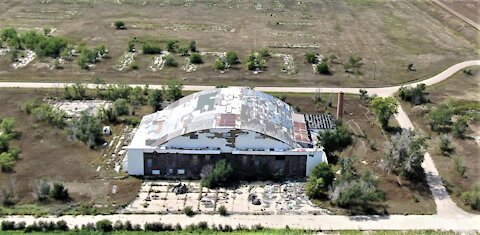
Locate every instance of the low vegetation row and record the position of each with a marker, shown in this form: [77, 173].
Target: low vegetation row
[106, 226]
[8, 154]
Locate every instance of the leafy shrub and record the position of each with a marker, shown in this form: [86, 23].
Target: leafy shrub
[127, 226]
[440, 118]
[170, 61]
[415, 95]
[459, 128]
[323, 68]
[256, 62]
[222, 210]
[119, 24]
[384, 108]
[232, 58]
[444, 144]
[310, 57]
[320, 179]
[220, 175]
[196, 58]
[193, 46]
[472, 198]
[359, 192]
[406, 154]
[7, 225]
[41, 189]
[59, 191]
[61, 225]
[171, 46]
[188, 211]
[158, 227]
[104, 225]
[460, 166]
[202, 225]
[149, 48]
[219, 64]
[335, 140]
[183, 51]
[264, 53]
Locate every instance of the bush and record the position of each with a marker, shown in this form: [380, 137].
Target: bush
[264, 53]
[149, 49]
[134, 65]
[188, 211]
[415, 95]
[459, 128]
[222, 210]
[472, 198]
[310, 57]
[196, 58]
[256, 62]
[320, 179]
[119, 24]
[202, 225]
[384, 108]
[170, 61]
[361, 192]
[183, 51]
[406, 154]
[322, 68]
[335, 140]
[460, 166]
[41, 189]
[232, 58]
[61, 225]
[171, 46]
[59, 191]
[158, 227]
[104, 225]
[219, 65]
[439, 118]
[220, 175]
[7, 225]
[193, 46]
[127, 226]
[444, 144]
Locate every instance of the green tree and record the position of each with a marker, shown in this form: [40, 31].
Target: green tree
[170, 61]
[310, 57]
[193, 46]
[440, 118]
[353, 65]
[459, 128]
[405, 155]
[59, 191]
[384, 108]
[171, 46]
[323, 68]
[472, 198]
[335, 140]
[415, 95]
[119, 24]
[232, 58]
[87, 129]
[196, 58]
[359, 192]
[219, 64]
[120, 107]
[172, 90]
[320, 179]
[220, 175]
[7, 125]
[155, 99]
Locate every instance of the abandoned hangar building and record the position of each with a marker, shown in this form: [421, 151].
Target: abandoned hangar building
[255, 132]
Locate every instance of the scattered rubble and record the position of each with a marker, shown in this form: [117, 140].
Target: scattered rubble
[159, 61]
[189, 67]
[74, 108]
[25, 60]
[293, 45]
[4, 51]
[288, 63]
[125, 61]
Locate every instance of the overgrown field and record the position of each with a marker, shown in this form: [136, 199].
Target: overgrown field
[453, 145]
[388, 35]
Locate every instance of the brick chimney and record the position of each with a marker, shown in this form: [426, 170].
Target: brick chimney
[340, 105]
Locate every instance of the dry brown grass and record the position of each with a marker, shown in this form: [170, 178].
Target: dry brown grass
[393, 33]
[48, 153]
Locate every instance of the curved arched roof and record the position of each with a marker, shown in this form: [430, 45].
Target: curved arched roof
[226, 108]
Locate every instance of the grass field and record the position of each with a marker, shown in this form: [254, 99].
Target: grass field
[49, 153]
[463, 90]
[389, 35]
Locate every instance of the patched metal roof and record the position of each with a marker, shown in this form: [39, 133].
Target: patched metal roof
[236, 108]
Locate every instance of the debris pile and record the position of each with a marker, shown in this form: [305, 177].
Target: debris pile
[180, 189]
[126, 61]
[25, 60]
[189, 67]
[293, 45]
[288, 63]
[159, 61]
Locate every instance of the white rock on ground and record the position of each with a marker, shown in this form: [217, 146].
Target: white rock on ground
[24, 61]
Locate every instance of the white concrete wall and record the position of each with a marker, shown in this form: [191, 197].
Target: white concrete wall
[315, 159]
[135, 162]
[250, 140]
